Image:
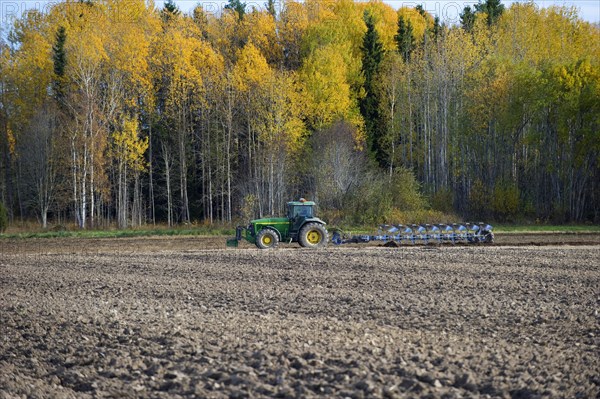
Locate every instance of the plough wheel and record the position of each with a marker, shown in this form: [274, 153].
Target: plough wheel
[488, 236]
[313, 235]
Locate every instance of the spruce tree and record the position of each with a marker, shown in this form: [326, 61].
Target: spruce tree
[238, 7]
[60, 62]
[493, 9]
[405, 39]
[372, 50]
[467, 19]
[170, 10]
[270, 6]
[436, 28]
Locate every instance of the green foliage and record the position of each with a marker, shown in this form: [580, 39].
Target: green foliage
[467, 19]
[382, 198]
[479, 200]
[372, 54]
[3, 218]
[60, 62]
[170, 10]
[371, 203]
[443, 200]
[437, 28]
[492, 8]
[270, 6]
[505, 201]
[405, 39]
[236, 6]
[406, 191]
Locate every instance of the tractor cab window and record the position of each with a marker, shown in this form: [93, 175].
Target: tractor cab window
[304, 211]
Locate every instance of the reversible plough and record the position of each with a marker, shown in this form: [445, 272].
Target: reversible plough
[471, 233]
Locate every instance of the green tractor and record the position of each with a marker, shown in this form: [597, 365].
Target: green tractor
[300, 225]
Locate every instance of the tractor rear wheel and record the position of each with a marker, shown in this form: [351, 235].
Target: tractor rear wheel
[267, 238]
[313, 235]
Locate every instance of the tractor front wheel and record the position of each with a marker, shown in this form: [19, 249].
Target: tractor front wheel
[267, 238]
[313, 235]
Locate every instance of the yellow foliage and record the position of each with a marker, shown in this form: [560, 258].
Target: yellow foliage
[279, 118]
[291, 28]
[262, 33]
[527, 33]
[12, 142]
[327, 91]
[335, 22]
[226, 33]
[30, 67]
[128, 147]
[418, 22]
[129, 51]
[251, 68]
[386, 22]
[182, 56]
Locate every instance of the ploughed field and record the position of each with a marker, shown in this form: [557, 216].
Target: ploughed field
[165, 318]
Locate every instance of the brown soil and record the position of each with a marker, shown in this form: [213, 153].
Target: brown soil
[168, 317]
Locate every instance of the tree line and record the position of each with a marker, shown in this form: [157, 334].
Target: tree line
[120, 113]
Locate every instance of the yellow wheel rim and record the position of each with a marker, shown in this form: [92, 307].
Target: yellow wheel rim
[314, 237]
[266, 240]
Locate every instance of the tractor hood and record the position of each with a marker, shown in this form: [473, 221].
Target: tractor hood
[269, 220]
[282, 220]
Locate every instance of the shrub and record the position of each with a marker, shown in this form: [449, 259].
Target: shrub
[505, 201]
[443, 200]
[406, 191]
[370, 203]
[479, 200]
[3, 218]
[380, 198]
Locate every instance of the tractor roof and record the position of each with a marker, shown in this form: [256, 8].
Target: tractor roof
[301, 203]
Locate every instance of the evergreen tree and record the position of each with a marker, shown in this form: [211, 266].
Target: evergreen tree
[405, 39]
[420, 9]
[170, 10]
[238, 7]
[270, 6]
[60, 62]
[467, 19]
[493, 9]
[436, 28]
[372, 54]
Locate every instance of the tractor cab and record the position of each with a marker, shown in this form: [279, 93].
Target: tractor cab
[298, 213]
[300, 209]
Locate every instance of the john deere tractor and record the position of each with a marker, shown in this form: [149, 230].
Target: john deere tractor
[300, 225]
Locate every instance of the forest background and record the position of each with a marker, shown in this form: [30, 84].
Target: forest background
[127, 113]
